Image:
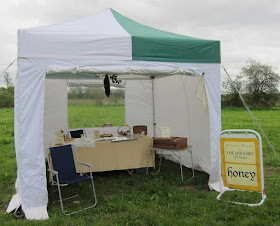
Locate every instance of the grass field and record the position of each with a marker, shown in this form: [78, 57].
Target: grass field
[84, 114]
[161, 199]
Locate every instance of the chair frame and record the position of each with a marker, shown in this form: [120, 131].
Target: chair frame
[53, 182]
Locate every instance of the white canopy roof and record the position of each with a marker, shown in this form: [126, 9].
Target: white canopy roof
[98, 37]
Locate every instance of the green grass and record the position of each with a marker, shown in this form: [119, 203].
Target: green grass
[160, 199]
[237, 118]
[87, 115]
[7, 157]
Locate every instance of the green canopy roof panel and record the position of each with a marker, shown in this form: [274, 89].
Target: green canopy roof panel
[149, 44]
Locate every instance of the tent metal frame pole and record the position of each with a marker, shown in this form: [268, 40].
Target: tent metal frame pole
[154, 124]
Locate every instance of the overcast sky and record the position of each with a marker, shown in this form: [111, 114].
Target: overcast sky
[246, 28]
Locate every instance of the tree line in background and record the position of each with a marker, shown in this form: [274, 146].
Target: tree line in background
[257, 82]
[97, 95]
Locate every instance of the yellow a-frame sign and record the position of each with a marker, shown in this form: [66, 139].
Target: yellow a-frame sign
[241, 162]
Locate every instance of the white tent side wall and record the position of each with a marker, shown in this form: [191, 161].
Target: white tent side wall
[178, 108]
[29, 116]
[139, 104]
[55, 110]
[213, 87]
[178, 105]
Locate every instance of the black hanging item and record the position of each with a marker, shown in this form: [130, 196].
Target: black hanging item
[107, 85]
[114, 79]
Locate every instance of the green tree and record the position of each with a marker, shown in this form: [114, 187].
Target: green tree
[231, 95]
[7, 80]
[6, 97]
[7, 94]
[261, 83]
[99, 95]
[119, 93]
[75, 93]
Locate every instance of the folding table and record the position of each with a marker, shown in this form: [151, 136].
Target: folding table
[160, 152]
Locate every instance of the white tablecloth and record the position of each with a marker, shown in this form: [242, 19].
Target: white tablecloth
[89, 143]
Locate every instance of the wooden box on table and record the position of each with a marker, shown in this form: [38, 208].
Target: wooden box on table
[174, 143]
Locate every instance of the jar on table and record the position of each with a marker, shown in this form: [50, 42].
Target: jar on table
[82, 138]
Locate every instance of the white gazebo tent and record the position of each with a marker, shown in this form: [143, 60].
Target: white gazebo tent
[180, 90]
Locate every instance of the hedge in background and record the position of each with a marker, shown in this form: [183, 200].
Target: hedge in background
[6, 97]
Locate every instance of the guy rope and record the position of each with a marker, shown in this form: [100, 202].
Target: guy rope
[251, 113]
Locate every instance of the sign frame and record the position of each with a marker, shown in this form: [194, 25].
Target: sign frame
[245, 138]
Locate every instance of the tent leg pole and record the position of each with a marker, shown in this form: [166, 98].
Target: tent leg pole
[154, 124]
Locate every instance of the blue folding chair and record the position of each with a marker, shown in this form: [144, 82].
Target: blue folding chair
[64, 172]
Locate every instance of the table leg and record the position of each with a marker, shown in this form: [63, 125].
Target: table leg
[192, 166]
[182, 177]
[149, 154]
[159, 162]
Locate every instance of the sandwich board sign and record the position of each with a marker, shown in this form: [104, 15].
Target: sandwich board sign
[241, 162]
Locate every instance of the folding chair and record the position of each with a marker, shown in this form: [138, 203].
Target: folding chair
[77, 133]
[63, 172]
